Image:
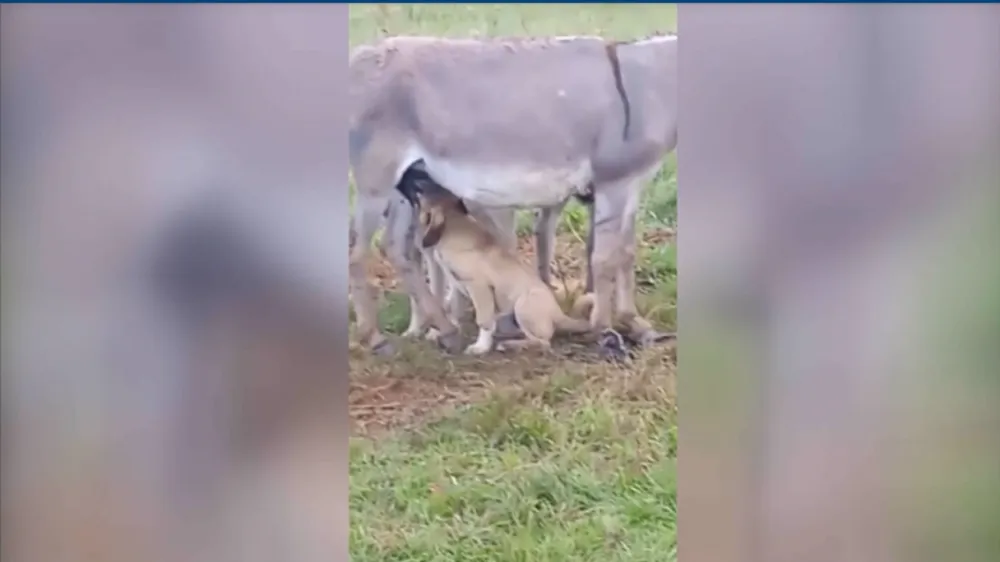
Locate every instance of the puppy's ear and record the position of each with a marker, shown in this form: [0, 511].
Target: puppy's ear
[419, 199]
[433, 222]
[423, 183]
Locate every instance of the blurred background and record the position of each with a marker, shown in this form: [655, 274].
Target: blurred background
[839, 287]
[174, 282]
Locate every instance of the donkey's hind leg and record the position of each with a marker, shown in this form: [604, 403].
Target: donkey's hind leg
[615, 204]
[546, 221]
[639, 328]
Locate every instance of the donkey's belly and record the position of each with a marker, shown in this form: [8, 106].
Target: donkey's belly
[512, 185]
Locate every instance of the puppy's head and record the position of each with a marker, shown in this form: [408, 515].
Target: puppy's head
[434, 209]
[414, 181]
[417, 185]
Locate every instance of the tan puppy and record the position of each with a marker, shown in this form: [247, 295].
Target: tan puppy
[491, 276]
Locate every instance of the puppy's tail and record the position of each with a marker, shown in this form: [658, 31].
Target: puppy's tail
[570, 325]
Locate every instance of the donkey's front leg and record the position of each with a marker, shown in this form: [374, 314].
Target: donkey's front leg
[364, 224]
[401, 225]
[454, 301]
[418, 324]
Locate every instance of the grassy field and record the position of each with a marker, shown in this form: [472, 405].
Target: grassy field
[521, 458]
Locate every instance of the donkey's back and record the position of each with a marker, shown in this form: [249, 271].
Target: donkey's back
[510, 121]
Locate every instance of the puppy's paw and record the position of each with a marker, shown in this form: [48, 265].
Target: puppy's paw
[432, 335]
[478, 349]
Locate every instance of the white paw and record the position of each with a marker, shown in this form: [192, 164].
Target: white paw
[477, 349]
[483, 344]
[411, 333]
[432, 335]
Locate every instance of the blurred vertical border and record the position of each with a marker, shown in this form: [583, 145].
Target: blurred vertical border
[174, 271]
[839, 288]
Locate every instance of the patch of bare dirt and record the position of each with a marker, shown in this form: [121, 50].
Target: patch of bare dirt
[421, 384]
[381, 272]
[382, 402]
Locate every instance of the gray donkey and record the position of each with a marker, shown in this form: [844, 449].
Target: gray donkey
[510, 123]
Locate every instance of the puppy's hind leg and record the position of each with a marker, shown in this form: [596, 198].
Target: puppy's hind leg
[537, 328]
[485, 305]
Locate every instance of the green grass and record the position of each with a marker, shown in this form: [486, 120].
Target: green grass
[546, 459]
[577, 465]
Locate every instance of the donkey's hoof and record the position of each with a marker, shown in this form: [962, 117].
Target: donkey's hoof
[450, 342]
[384, 348]
[611, 345]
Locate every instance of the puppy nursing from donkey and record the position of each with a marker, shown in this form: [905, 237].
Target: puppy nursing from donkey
[488, 273]
[500, 221]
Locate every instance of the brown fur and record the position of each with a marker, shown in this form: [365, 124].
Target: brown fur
[492, 275]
